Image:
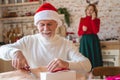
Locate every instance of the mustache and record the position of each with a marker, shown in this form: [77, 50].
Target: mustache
[46, 31]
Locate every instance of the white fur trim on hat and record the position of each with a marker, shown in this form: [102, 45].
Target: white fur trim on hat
[47, 15]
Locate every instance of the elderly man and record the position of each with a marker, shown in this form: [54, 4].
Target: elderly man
[45, 48]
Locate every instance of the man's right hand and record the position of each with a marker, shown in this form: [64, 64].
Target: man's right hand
[19, 61]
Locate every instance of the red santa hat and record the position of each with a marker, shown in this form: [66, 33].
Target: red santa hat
[47, 12]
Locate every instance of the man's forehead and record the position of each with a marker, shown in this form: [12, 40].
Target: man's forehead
[47, 21]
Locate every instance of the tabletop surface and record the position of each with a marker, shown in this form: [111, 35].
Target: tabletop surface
[24, 75]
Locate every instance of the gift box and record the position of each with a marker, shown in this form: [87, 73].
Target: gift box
[60, 75]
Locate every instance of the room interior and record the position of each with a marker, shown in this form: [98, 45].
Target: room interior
[18, 15]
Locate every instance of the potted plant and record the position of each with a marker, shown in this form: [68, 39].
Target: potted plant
[66, 15]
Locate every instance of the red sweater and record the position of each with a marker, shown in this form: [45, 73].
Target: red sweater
[92, 26]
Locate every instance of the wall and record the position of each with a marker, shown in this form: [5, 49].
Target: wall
[0, 31]
[109, 13]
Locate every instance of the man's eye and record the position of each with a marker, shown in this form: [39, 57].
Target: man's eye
[49, 24]
[41, 24]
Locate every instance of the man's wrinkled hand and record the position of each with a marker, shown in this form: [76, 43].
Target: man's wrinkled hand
[57, 64]
[19, 61]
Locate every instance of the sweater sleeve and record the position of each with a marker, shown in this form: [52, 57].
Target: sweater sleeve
[95, 25]
[77, 61]
[7, 51]
[80, 30]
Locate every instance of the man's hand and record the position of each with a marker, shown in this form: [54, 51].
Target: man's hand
[19, 61]
[84, 28]
[57, 64]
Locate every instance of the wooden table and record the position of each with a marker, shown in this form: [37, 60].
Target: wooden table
[24, 75]
[19, 75]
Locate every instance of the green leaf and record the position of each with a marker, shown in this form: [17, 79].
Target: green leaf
[66, 13]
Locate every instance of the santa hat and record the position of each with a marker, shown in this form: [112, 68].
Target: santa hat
[47, 12]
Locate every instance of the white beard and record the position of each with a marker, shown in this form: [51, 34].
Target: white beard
[47, 36]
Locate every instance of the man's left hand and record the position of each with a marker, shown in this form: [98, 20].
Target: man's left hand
[57, 64]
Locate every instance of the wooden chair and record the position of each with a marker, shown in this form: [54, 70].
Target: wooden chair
[105, 71]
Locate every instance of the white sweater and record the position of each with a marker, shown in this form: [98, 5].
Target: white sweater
[39, 52]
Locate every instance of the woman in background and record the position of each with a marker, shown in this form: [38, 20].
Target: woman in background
[89, 43]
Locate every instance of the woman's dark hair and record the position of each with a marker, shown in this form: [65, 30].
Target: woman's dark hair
[95, 9]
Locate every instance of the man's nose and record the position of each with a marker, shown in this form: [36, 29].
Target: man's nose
[46, 27]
